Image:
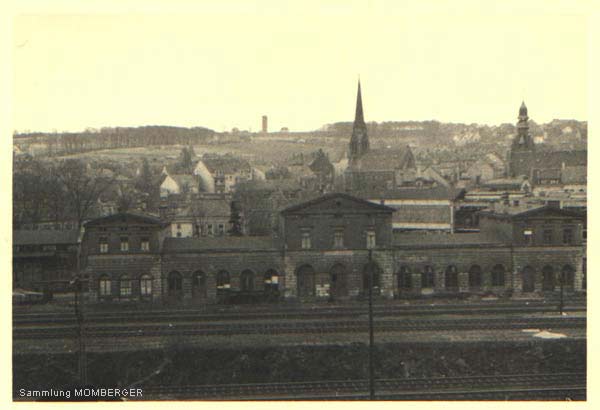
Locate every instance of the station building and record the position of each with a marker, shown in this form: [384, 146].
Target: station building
[326, 248]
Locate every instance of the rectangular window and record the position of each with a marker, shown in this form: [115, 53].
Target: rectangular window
[567, 236]
[209, 229]
[221, 229]
[547, 236]
[338, 239]
[306, 244]
[371, 243]
[145, 245]
[103, 245]
[124, 244]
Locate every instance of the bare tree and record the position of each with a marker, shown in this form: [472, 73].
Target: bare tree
[82, 186]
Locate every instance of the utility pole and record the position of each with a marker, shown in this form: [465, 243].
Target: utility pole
[371, 336]
[82, 357]
[561, 304]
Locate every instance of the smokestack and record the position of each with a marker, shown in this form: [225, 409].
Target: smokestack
[265, 127]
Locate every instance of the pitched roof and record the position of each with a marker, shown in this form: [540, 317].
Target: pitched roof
[125, 216]
[45, 237]
[184, 179]
[321, 164]
[552, 159]
[428, 239]
[439, 192]
[385, 159]
[364, 204]
[221, 243]
[227, 164]
[206, 208]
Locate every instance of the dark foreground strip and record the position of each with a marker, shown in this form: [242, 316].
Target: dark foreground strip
[558, 386]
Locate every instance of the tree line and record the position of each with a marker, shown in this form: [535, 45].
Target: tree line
[64, 143]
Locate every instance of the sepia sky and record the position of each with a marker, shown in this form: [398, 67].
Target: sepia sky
[224, 67]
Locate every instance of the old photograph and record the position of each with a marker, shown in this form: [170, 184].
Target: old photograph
[300, 201]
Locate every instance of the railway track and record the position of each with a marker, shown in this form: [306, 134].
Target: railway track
[277, 313]
[498, 387]
[308, 327]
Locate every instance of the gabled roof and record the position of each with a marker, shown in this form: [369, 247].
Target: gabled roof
[129, 217]
[206, 208]
[45, 237]
[336, 202]
[385, 159]
[227, 164]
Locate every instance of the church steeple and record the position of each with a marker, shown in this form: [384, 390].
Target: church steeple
[359, 142]
[523, 140]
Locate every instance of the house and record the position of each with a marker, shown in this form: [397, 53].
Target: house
[219, 174]
[206, 216]
[490, 167]
[178, 184]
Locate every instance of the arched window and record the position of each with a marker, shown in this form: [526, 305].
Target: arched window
[104, 286]
[198, 284]
[451, 278]
[568, 277]
[475, 277]
[428, 277]
[528, 278]
[124, 286]
[175, 282]
[338, 280]
[247, 281]
[498, 275]
[223, 280]
[548, 279]
[376, 270]
[146, 285]
[306, 281]
[404, 278]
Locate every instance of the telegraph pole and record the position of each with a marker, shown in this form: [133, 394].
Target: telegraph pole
[371, 336]
[82, 357]
[561, 304]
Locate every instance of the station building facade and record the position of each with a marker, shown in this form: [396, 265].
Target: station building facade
[326, 248]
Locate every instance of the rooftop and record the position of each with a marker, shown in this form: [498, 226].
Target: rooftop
[45, 237]
[221, 243]
[427, 239]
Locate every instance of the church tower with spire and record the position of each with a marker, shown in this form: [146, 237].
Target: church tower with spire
[359, 142]
[522, 150]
